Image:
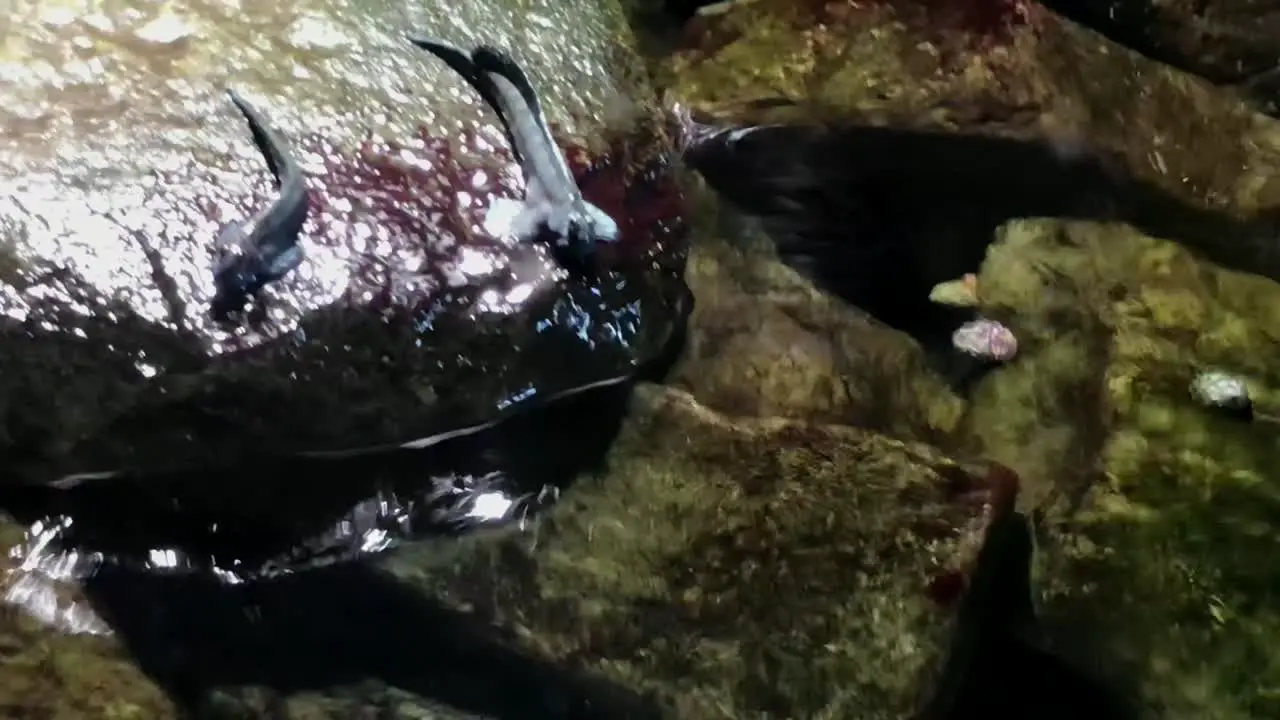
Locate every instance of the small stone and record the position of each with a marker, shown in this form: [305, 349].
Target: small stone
[986, 339]
[1217, 389]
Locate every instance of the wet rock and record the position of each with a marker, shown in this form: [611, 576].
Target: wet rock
[1159, 509]
[122, 158]
[763, 342]
[909, 139]
[739, 566]
[1229, 42]
[742, 552]
[929, 128]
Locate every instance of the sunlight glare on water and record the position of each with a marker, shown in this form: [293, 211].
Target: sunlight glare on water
[44, 575]
[158, 195]
[121, 161]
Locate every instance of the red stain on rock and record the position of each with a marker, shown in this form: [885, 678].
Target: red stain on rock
[1004, 484]
[997, 489]
[994, 20]
[984, 20]
[643, 196]
[405, 213]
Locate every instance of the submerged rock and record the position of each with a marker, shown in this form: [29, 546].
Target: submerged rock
[918, 128]
[735, 567]
[897, 141]
[659, 579]
[1160, 513]
[408, 320]
[764, 342]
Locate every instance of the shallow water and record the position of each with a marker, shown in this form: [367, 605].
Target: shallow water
[441, 477]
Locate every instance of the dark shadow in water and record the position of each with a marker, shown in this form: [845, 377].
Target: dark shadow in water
[677, 12]
[998, 666]
[255, 514]
[346, 623]
[879, 216]
[349, 622]
[340, 626]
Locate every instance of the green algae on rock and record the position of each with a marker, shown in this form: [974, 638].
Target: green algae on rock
[1162, 509]
[1175, 154]
[737, 566]
[1158, 510]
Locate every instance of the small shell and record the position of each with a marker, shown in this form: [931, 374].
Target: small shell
[986, 339]
[1215, 388]
[957, 293]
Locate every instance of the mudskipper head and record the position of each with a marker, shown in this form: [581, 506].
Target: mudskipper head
[593, 225]
[587, 227]
[574, 245]
[233, 274]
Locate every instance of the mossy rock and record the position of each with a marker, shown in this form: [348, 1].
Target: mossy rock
[1178, 147]
[736, 567]
[762, 341]
[1161, 513]
[47, 675]
[1230, 42]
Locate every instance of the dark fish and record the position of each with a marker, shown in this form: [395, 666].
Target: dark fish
[264, 248]
[553, 205]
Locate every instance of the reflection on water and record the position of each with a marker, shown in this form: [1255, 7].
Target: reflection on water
[32, 584]
[207, 566]
[47, 558]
